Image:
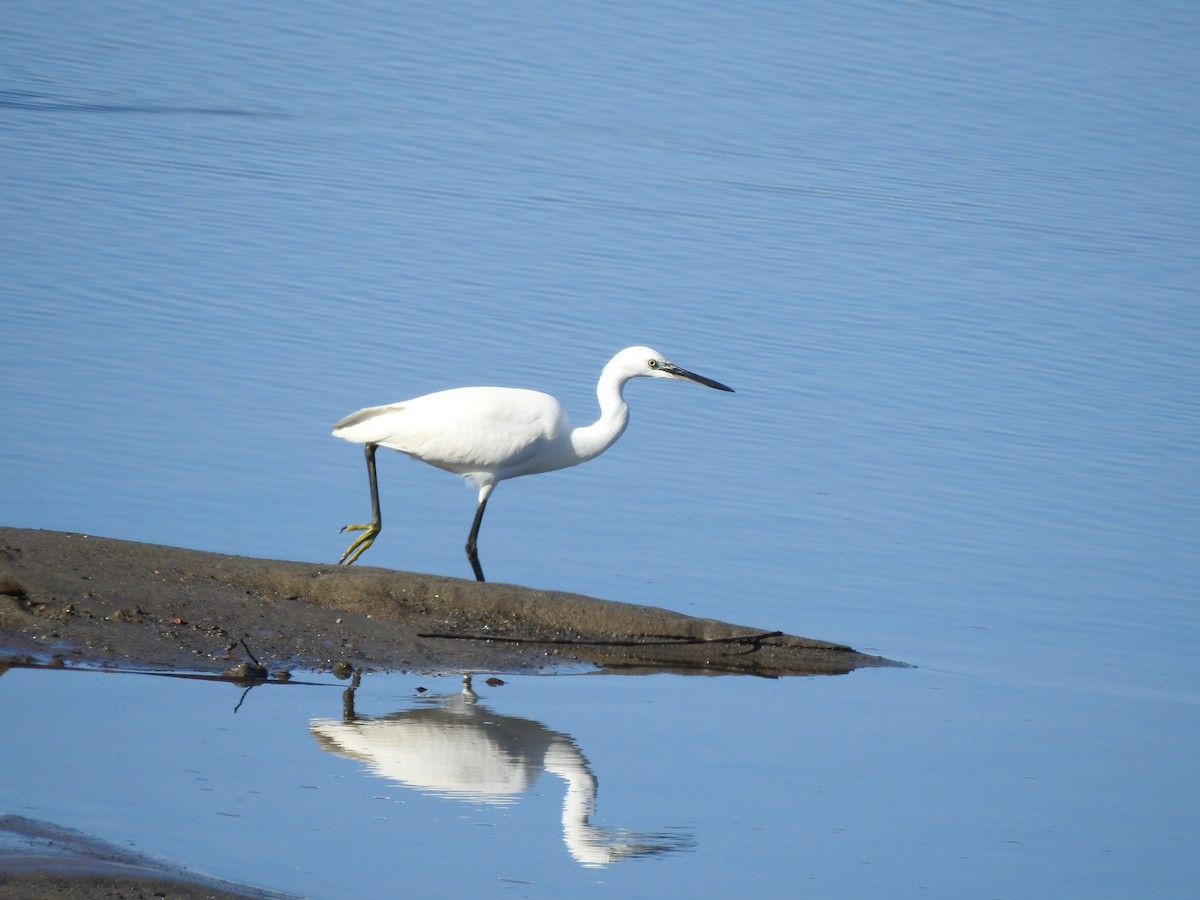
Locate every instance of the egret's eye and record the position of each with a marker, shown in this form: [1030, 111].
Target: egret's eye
[652, 363]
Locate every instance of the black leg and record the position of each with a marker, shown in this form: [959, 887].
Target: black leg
[371, 530]
[473, 537]
[369, 452]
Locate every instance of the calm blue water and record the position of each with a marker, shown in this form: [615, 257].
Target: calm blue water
[947, 254]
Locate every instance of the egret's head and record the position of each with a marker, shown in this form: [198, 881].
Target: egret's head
[634, 361]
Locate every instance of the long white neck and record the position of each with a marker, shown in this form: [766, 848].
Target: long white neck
[592, 440]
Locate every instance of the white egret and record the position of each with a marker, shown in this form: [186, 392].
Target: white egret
[488, 434]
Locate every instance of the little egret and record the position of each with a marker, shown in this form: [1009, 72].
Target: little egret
[488, 434]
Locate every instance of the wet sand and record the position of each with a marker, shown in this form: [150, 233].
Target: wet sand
[40, 861]
[73, 599]
[69, 600]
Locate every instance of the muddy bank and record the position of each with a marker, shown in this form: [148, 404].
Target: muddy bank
[75, 599]
[41, 860]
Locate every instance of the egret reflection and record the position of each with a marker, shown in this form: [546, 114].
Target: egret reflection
[455, 747]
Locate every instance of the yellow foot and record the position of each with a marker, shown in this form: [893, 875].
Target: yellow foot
[361, 543]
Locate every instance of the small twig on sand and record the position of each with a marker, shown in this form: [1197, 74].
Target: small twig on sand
[756, 640]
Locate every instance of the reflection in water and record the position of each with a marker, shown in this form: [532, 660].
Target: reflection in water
[456, 747]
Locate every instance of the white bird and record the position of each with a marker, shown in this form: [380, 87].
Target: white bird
[488, 434]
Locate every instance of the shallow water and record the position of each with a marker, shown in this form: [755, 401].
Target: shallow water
[946, 255]
[877, 783]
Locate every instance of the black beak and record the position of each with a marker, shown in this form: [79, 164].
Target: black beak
[692, 376]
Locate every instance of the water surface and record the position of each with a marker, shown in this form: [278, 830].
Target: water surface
[945, 253]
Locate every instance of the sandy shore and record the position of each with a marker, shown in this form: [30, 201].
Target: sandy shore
[40, 861]
[72, 599]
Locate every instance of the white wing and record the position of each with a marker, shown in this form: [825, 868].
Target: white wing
[467, 430]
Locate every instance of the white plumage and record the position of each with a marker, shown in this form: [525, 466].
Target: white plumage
[488, 434]
[477, 432]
